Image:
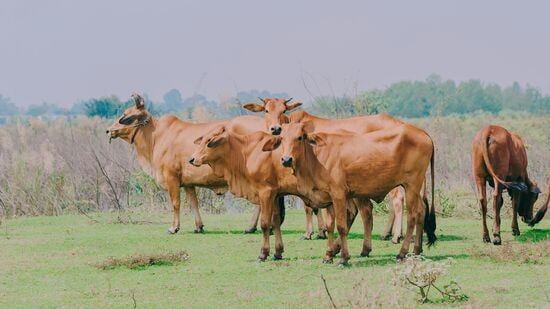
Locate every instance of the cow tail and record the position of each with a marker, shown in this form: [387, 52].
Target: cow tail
[281, 205]
[517, 185]
[429, 219]
[541, 212]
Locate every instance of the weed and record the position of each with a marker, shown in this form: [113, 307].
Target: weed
[421, 274]
[144, 260]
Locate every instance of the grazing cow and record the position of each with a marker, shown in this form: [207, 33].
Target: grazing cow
[253, 172]
[499, 158]
[275, 115]
[363, 166]
[163, 146]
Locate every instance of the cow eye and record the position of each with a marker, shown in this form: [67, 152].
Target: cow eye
[266, 111]
[300, 138]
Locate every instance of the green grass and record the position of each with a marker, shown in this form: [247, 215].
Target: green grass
[52, 262]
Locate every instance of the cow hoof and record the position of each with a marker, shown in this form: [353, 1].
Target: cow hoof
[305, 238]
[365, 253]
[399, 258]
[172, 231]
[385, 237]
[342, 264]
[487, 239]
[320, 237]
[327, 260]
[396, 241]
[250, 231]
[515, 232]
[261, 259]
[497, 241]
[277, 257]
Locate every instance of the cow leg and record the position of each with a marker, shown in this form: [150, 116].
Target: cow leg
[497, 204]
[267, 206]
[340, 212]
[309, 223]
[279, 247]
[366, 215]
[412, 199]
[481, 195]
[419, 216]
[321, 225]
[515, 205]
[329, 221]
[174, 194]
[398, 221]
[253, 221]
[391, 220]
[191, 195]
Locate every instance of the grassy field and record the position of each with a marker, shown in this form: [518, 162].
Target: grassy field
[52, 262]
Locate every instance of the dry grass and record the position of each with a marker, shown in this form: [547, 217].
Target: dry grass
[144, 260]
[518, 253]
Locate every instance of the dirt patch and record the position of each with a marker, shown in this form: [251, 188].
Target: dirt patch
[144, 260]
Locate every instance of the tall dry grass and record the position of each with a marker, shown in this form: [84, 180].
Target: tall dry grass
[57, 167]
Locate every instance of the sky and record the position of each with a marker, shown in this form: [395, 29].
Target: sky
[66, 51]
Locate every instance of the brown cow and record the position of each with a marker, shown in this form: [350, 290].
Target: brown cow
[275, 109]
[163, 146]
[254, 172]
[499, 158]
[363, 166]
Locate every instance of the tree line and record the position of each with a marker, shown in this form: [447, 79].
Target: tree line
[410, 99]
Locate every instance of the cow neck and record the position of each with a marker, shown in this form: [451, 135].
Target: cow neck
[234, 165]
[312, 170]
[144, 141]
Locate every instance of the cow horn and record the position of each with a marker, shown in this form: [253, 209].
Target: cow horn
[138, 99]
[286, 101]
[263, 100]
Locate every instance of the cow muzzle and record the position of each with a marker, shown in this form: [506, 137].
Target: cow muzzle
[286, 161]
[195, 162]
[276, 130]
[112, 134]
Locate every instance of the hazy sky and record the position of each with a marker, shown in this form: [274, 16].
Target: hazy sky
[65, 51]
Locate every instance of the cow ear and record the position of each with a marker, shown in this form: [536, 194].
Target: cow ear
[253, 107]
[218, 139]
[198, 141]
[272, 143]
[317, 139]
[535, 190]
[292, 106]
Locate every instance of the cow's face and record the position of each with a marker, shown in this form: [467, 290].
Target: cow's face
[209, 147]
[126, 126]
[274, 112]
[527, 201]
[293, 141]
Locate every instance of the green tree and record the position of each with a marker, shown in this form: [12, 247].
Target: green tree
[7, 107]
[173, 102]
[104, 107]
[45, 109]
